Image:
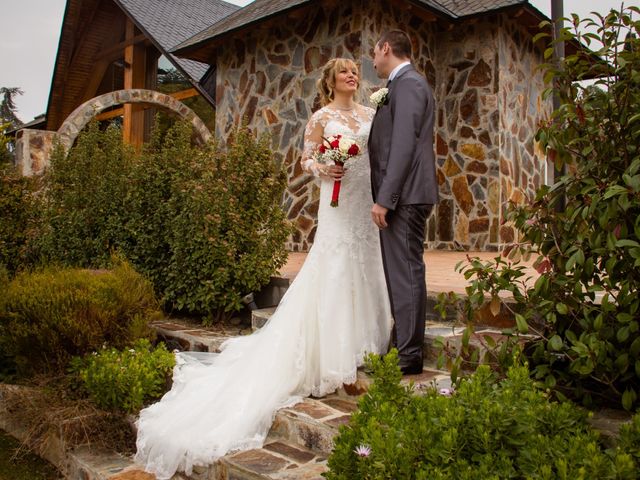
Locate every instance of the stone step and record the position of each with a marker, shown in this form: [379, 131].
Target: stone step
[276, 460]
[185, 335]
[314, 422]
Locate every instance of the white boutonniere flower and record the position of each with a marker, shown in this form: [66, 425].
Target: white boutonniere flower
[379, 97]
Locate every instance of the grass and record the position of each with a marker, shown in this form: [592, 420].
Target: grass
[24, 466]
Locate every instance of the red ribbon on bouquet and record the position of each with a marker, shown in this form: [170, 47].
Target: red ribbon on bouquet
[339, 157]
[336, 189]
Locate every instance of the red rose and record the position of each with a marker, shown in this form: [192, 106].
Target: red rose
[353, 150]
[322, 149]
[336, 142]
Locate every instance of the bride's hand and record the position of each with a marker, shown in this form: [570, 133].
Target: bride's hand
[336, 172]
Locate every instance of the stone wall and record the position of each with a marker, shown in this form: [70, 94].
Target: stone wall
[467, 138]
[267, 76]
[33, 150]
[522, 108]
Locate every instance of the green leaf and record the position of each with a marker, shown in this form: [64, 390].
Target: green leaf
[562, 308]
[555, 343]
[628, 398]
[627, 243]
[521, 323]
[622, 334]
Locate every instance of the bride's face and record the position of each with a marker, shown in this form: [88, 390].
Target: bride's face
[347, 79]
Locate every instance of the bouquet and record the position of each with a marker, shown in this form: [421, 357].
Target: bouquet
[337, 149]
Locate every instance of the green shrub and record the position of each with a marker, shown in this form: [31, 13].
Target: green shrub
[18, 205]
[484, 430]
[124, 380]
[228, 229]
[50, 316]
[5, 154]
[584, 307]
[630, 438]
[84, 205]
[203, 224]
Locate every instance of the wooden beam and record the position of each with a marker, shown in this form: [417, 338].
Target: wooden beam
[134, 77]
[82, 32]
[97, 74]
[115, 51]
[117, 112]
[182, 94]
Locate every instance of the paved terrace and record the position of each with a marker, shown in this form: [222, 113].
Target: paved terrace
[441, 265]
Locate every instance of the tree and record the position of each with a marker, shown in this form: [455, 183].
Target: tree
[584, 307]
[8, 107]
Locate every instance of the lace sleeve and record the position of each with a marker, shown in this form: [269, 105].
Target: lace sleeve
[313, 134]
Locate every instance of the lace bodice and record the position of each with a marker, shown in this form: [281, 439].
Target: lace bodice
[350, 224]
[331, 121]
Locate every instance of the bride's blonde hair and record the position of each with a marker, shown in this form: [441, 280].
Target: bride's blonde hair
[327, 82]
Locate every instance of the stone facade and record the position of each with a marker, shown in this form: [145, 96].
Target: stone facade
[490, 103]
[33, 150]
[523, 164]
[488, 107]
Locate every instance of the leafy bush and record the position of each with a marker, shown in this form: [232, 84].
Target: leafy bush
[50, 316]
[228, 229]
[84, 205]
[204, 224]
[18, 205]
[5, 154]
[484, 430]
[585, 306]
[152, 183]
[124, 380]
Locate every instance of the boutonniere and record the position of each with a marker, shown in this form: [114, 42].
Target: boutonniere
[380, 97]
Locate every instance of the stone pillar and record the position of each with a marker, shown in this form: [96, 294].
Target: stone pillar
[33, 150]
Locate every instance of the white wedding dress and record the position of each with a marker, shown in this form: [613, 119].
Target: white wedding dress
[333, 314]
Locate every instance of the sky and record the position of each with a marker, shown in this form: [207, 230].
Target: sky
[31, 29]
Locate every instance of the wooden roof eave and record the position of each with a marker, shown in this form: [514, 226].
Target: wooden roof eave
[169, 57]
[57, 64]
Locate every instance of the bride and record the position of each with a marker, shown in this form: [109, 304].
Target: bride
[334, 313]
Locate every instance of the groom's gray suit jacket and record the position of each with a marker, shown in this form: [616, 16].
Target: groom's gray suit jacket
[400, 144]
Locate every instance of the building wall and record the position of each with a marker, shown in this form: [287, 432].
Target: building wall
[522, 109]
[467, 139]
[267, 77]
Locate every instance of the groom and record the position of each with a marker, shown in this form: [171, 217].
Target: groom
[404, 189]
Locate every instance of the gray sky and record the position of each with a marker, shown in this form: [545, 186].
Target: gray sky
[31, 29]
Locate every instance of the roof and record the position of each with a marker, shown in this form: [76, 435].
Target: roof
[170, 22]
[89, 27]
[260, 10]
[465, 8]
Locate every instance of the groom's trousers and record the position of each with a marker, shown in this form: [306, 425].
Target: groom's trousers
[402, 254]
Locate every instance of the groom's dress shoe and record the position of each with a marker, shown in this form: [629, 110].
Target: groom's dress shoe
[411, 369]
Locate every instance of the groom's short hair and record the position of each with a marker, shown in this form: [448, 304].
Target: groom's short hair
[398, 41]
